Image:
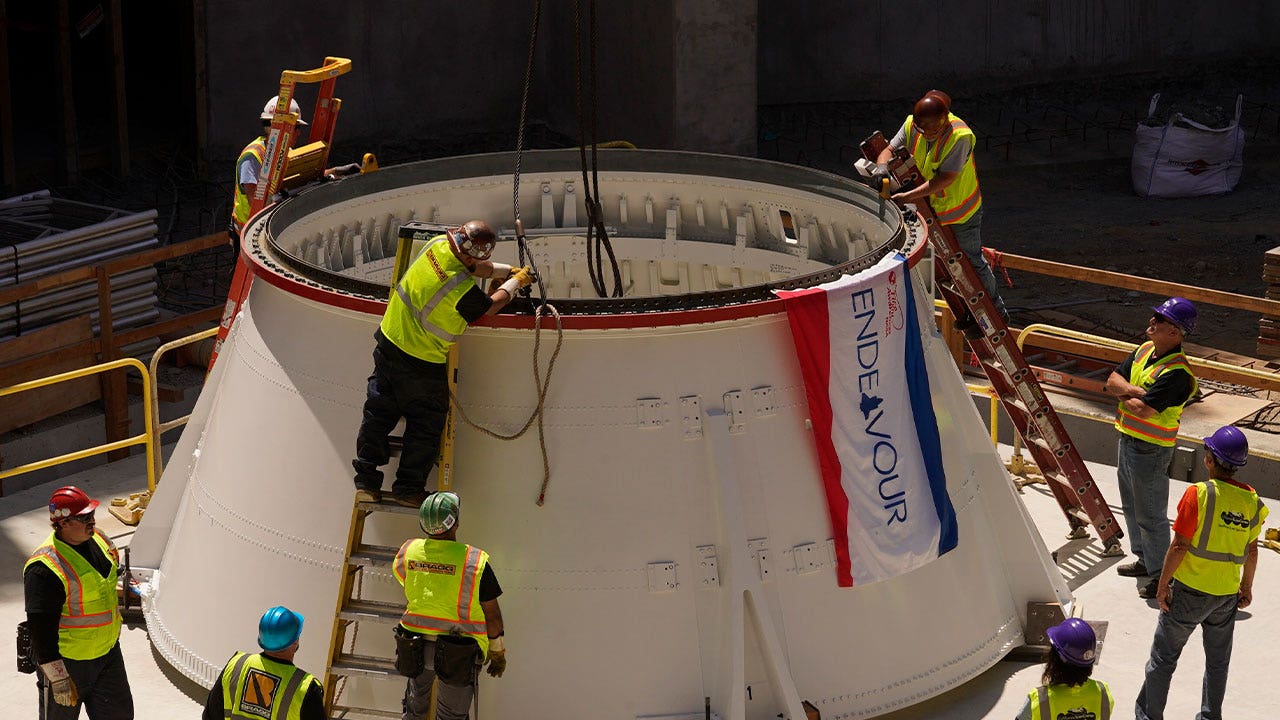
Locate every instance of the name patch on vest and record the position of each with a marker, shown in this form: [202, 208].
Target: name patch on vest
[435, 265]
[1234, 518]
[430, 567]
[259, 693]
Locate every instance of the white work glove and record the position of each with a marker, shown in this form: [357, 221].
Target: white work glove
[497, 657]
[60, 683]
[501, 271]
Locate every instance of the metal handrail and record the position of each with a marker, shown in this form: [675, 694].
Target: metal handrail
[158, 428]
[990, 392]
[144, 439]
[1044, 329]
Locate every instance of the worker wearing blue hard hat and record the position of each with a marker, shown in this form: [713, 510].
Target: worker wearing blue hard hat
[1207, 575]
[1066, 689]
[268, 684]
[1153, 385]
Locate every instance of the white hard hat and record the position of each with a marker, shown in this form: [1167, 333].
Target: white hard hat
[269, 110]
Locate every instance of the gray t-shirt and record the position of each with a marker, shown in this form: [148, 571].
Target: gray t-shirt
[953, 162]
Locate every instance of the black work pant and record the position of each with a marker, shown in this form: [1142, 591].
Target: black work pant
[401, 386]
[103, 687]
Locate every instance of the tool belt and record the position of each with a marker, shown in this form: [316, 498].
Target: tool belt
[410, 652]
[26, 663]
[457, 660]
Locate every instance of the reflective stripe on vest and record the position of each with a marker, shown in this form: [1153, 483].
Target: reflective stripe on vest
[957, 202]
[1052, 703]
[428, 331]
[251, 688]
[443, 599]
[90, 623]
[240, 210]
[1162, 428]
[1227, 523]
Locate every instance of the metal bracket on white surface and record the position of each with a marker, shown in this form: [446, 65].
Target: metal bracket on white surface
[759, 548]
[708, 572]
[736, 409]
[570, 218]
[649, 412]
[691, 410]
[762, 398]
[811, 557]
[662, 577]
[548, 207]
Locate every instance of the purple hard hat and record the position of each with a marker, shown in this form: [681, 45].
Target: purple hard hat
[1229, 446]
[1180, 312]
[1074, 642]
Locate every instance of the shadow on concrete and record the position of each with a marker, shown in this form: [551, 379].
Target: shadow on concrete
[1081, 561]
[185, 685]
[973, 699]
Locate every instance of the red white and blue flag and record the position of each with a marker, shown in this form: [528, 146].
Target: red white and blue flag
[858, 343]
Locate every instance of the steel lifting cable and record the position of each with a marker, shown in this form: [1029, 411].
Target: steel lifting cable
[598, 243]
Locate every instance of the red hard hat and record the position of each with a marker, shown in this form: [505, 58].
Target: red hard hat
[70, 500]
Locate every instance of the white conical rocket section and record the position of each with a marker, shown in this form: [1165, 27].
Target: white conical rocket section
[683, 551]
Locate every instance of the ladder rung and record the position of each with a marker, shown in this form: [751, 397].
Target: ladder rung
[1080, 515]
[1059, 478]
[1095, 374]
[372, 611]
[388, 507]
[343, 712]
[366, 665]
[1063, 365]
[376, 555]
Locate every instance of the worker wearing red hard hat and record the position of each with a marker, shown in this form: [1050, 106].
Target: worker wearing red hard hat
[73, 618]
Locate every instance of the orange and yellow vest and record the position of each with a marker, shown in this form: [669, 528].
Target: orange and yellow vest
[422, 316]
[256, 687]
[1161, 428]
[957, 202]
[1229, 520]
[441, 580]
[1090, 700]
[240, 211]
[90, 623]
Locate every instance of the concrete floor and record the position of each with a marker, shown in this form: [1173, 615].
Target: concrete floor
[998, 693]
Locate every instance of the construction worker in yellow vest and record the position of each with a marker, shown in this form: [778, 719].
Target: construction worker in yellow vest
[1207, 575]
[428, 310]
[1153, 385]
[452, 624]
[1066, 690]
[249, 165]
[267, 685]
[69, 583]
[943, 146]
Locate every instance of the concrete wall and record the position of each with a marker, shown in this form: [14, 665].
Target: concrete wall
[687, 73]
[834, 50]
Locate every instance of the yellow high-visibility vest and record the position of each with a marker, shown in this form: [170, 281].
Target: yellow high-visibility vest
[1162, 428]
[1228, 522]
[441, 580]
[240, 212]
[256, 687]
[422, 317]
[90, 622]
[1088, 699]
[957, 202]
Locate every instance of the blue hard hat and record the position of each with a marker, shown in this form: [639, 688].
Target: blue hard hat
[1179, 311]
[1073, 640]
[1229, 446]
[279, 628]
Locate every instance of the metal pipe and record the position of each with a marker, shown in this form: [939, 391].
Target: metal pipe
[77, 292]
[60, 239]
[81, 262]
[105, 246]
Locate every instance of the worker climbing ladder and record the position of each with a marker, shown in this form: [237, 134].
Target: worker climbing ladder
[1011, 377]
[283, 167]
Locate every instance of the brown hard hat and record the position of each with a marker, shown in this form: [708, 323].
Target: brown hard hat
[934, 105]
[479, 231]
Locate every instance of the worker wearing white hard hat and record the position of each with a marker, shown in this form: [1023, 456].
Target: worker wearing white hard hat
[249, 165]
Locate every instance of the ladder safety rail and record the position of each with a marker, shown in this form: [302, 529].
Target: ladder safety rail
[1012, 379]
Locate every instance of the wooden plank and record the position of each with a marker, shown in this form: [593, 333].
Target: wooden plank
[196, 321]
[1141, 284]
[40, 285]
[67, 332]
[24, 408]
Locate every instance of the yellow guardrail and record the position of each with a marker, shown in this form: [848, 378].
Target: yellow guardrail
[157, 428]
[995, 408]
[144, 439]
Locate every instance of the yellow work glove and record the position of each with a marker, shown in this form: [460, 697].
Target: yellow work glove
[520, 278]
[60, 683]
[497, 657]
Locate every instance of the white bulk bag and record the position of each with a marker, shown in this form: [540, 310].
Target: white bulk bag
[1175, 161]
